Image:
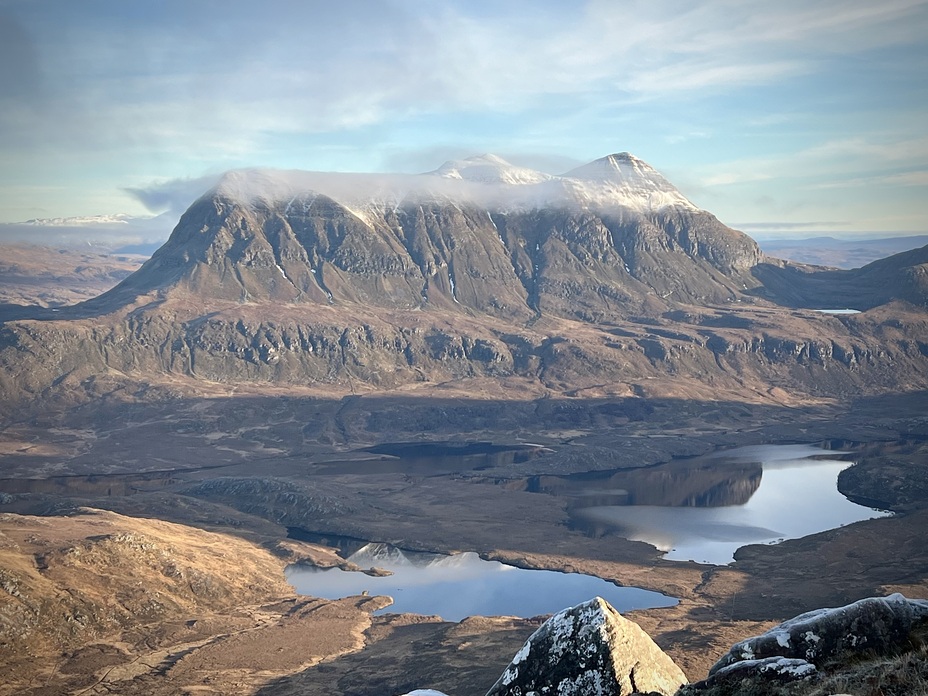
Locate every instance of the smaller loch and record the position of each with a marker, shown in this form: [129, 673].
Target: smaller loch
[461, 585]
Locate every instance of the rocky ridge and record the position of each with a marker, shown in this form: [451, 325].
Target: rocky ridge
[69, 582]
[605, 277]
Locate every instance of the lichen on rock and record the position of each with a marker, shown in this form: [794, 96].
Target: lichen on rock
[589, 649]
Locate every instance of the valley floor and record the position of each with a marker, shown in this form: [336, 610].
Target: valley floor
[250, 469]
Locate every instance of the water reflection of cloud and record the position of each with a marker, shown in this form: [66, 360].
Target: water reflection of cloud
[464, 585]
[797, 496]
[677, 527]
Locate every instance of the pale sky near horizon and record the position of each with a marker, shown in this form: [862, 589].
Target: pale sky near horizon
[790, 118]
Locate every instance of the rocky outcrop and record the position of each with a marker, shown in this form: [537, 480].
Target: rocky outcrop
[285, 502]
[589, 649]
[820, 641]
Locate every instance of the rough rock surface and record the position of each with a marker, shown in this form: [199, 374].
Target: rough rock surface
[589, 649]
[799, 648]
[769, 670]
[875, 625]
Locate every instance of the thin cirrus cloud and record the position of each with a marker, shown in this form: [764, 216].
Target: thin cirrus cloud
[828, 161]
[351, 68]
[916, 179]
[116, 93]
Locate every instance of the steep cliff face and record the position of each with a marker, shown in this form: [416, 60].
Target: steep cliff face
[456, 250]
[605, 275]
[334, 349]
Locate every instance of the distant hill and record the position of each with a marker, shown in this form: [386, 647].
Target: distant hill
[903, 276]
[840, 253]
[55, 277]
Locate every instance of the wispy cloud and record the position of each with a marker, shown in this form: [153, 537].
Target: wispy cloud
[729, 178]
[678, 138]
[833, 160]
[919, 178]
[220, 82]
[172, 196]
[112, 92]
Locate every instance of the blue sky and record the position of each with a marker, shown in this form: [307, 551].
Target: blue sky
[790, 118]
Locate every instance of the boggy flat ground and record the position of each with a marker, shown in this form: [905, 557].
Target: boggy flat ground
[250, 467]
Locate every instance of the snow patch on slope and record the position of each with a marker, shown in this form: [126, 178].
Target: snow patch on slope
[624, 177]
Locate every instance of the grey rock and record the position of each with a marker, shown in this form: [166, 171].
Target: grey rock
[589, 649]
[875, 626]
[769, 670]
[817, 645]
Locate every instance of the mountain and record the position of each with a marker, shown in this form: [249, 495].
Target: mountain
[626, 178]
[604, 240]
[603, 278]
[90, 233]
[903, 276]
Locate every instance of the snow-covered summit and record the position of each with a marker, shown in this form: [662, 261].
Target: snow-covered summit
[622, 176]
[615, 167]
[616, 181]
[489, 169]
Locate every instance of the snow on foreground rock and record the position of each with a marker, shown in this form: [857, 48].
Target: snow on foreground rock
[588, 650]
[799, 648]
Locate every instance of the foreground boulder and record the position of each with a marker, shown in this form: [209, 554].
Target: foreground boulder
[589, 649]
[820, 641]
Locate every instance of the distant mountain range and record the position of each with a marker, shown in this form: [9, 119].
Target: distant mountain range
[840, 253]
[605, 277]
[120, 234]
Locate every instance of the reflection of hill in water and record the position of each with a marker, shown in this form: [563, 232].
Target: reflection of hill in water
[367, 554]
[671, 485]
[434, 449]
[387, 556]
